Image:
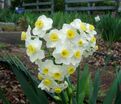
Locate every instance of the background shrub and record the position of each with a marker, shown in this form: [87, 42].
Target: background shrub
[58, 17]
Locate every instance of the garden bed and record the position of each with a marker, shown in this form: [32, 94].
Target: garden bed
[95, 62]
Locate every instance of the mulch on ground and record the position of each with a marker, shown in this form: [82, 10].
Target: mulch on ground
[11, 86]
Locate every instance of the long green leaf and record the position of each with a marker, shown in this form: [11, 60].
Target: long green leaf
[111, 93]
[118, 95]
[84, 82]
[94, 95]
[78, 84]
[82, 85]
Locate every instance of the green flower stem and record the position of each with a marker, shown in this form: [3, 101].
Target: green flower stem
[70, 88]
[64, 97]
[70, 91]
[71, 95]
[78, 84]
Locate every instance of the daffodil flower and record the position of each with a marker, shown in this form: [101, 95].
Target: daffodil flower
[48, 68]
[26, 35]
[69, 33]
[46, 84]
[97, 18]
[90, 29]
[69, 46]
[69, 69]
[45, 67]
[63, 53]
[78, 24]
[58, 88]
[34, 49]
[77, 56]
[53, 38]
[42, 25]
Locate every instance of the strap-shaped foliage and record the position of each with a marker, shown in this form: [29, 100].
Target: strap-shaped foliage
[94, 94]
[114, 92]
[118, 96]
[82, 84]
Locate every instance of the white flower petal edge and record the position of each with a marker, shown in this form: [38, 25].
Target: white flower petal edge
[26, 35]
[34, 49]
[42, 25]
[97, 18]
[63, 53]
[53, 38]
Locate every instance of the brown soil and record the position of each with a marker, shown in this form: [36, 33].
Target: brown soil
[11, 86]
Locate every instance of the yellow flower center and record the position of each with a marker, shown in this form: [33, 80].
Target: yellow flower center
[57, 90]
[80, 43]
[23, 36]
[54, 37]
[71, 70]
[77, 54]
[71, 34]
[47, 82]
[45, 70]
[39, 24]
[83, 27]
[93, 39]
[57, 75]
[65, 53]
[31, 49]
[96, 47]
[91, 27]
[39, 76]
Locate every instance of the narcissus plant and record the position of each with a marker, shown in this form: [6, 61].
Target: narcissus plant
[67, 47]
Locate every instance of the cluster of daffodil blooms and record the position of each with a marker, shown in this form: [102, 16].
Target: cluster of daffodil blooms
[69, 45]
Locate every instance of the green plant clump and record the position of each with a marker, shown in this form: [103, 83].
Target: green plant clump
[110, 28]
[60, 18]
